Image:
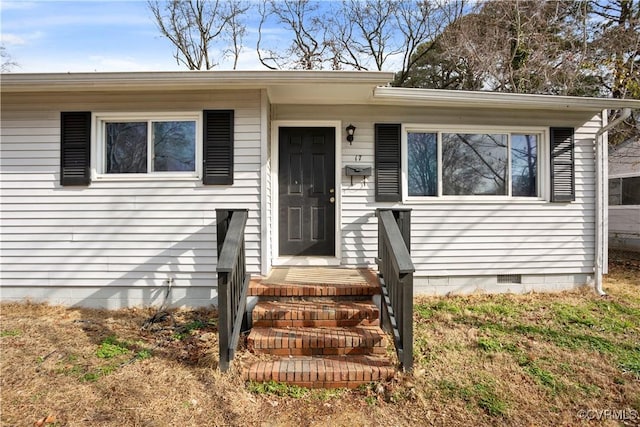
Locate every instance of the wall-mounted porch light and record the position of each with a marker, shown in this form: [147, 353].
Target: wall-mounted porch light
[351, 130]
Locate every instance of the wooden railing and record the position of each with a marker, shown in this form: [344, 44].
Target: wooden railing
[233, 281]
[396, 278]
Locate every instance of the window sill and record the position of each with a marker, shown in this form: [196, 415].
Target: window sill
[474, 200]
[142, 178]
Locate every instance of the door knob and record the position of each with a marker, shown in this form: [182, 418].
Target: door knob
[332, 199]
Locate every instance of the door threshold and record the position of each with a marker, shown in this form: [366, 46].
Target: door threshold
[306, 261]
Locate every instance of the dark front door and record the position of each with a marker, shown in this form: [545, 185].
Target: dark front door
[307, 191]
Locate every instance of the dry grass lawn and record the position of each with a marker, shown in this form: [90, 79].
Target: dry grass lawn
[520, 360]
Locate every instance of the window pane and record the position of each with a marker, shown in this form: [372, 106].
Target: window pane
[422, 153]
[614, 191]
[126, 147]
[474, 164]
[631, 191]
[524, 165]
[174, 145]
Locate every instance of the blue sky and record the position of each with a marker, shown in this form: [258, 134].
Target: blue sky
[61, 36]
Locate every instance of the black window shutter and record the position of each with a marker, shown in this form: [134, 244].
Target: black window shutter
[387, 163]
[562, 165]
[218, 147]
[75, 148]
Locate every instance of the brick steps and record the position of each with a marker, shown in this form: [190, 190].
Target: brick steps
[328, 313]
[326, 372]
[311, 341]
[323, 333]
[257, 288]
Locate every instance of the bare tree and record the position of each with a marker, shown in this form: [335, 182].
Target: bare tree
[355, 34]
[420, 24]
[385, 34]
[197, 28]
[616, 54]
[303, 20]
[236, 30]
[525, 46]
[8, 64]
[617, 45]
[362, 33]
[266, 56]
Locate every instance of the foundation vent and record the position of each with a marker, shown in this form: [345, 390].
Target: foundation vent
[509, 278]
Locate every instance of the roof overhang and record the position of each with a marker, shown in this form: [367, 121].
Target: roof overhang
[302, 87]
[495, 100]
[283, 87]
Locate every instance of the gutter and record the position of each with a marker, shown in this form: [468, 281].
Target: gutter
[602, 216]
[486, 99]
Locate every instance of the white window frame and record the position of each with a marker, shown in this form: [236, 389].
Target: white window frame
[98, 156]
[542, 162]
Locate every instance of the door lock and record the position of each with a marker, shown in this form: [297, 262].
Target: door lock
[332, 190]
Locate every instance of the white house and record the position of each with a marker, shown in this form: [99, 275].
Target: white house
[624, 196]
[110, 181]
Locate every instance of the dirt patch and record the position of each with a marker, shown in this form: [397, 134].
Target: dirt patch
[520, 360]
[624, 260]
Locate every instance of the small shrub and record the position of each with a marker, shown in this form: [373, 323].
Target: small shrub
[111, 347]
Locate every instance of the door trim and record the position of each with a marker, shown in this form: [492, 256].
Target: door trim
[275, 147]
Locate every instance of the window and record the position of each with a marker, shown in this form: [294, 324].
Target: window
[524, 165]
[472, 163]
[423, 164]
[145, 146]
[624, 191]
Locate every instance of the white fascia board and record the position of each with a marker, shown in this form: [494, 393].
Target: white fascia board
[184, 80]
[466, 99]
[321, 93]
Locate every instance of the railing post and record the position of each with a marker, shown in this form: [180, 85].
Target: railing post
[223, 217]
[406, 283]
[403, 219]
[379, 259]
[224, 320]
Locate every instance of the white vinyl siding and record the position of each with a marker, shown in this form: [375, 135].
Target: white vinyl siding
[475, 237]
[118, 233]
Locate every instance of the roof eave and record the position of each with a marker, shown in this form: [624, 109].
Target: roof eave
[466, 99]
[184, 80]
